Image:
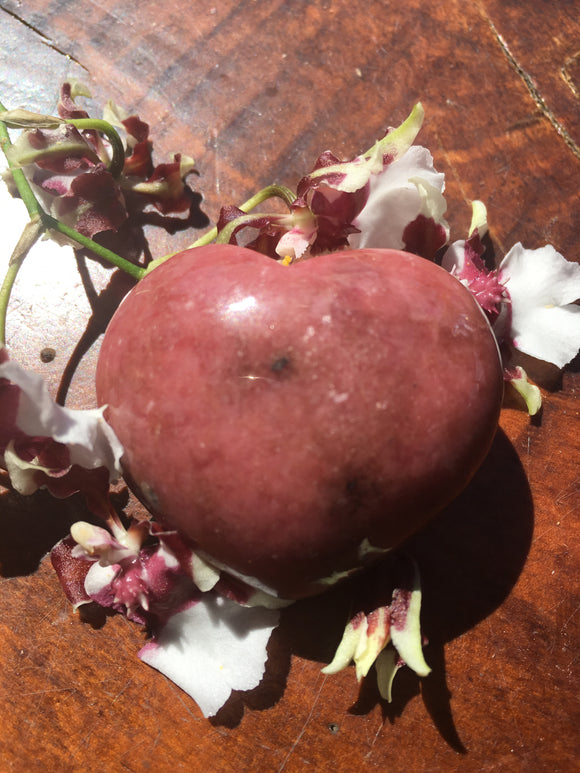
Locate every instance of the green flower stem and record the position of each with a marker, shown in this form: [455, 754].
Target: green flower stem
[118, 160]
[5, 291]
[137, 272]
[20, 180]
[45, 221]
[271, 191]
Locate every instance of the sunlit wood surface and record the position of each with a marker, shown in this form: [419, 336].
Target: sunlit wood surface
[255, 91]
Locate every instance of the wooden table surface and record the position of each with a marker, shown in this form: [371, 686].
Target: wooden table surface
[255, 91]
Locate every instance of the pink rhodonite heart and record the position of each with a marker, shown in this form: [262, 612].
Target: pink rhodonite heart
[293, 421]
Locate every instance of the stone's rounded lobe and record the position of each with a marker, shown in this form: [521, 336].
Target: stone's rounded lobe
[286, 417]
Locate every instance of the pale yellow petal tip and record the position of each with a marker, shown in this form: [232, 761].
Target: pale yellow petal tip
[387, 666]
[478, 218]
[353, 638]
[82, 533]
[529, 392]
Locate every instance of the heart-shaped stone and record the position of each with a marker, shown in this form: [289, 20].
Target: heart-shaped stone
[294, 421]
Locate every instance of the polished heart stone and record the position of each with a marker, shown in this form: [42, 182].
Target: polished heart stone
[295, 421]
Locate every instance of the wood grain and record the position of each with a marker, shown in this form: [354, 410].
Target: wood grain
[255, 91]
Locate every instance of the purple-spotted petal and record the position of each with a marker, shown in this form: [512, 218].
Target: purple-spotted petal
[375, 640]
[212, 647]
[463, 260]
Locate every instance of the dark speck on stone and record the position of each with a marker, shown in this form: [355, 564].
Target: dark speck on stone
[280, 364]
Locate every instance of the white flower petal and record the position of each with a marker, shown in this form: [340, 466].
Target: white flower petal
[99, 577]
[541, 277]
[90, 440]
[454, 257]
[543, 286]
[22, 474]
[211, 648]
[549, 334]
[395, 200]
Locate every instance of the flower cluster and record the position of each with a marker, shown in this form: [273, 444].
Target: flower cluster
[390, 196]
[43, 444]
[93, 183]
[210, 631]
[207, 634]
[368, 634]
[529, 300]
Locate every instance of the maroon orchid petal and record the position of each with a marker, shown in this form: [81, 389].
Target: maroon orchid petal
[71, 571]
[99, 204]
[60, 166]
[67, 107]
[9, 398]
[228, 214]
[165, 189]
[45, 452]
[424, 237]
[139, 163]
[51, 148]
[136, 128]
[93, 484]
[339, 207]
[268, 227]
[309, 183]
[266, 243]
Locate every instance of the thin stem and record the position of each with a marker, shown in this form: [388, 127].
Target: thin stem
[269, 192]
[118, 160]
[137, 272]
[18, 175]
[34, 208]
[5, 292]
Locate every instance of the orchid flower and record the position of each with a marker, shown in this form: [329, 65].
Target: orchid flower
[45, 445]
[405, 207]
[367, 635]
[390, 196]
[203, 638]
[83, 180]
[529, 300]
